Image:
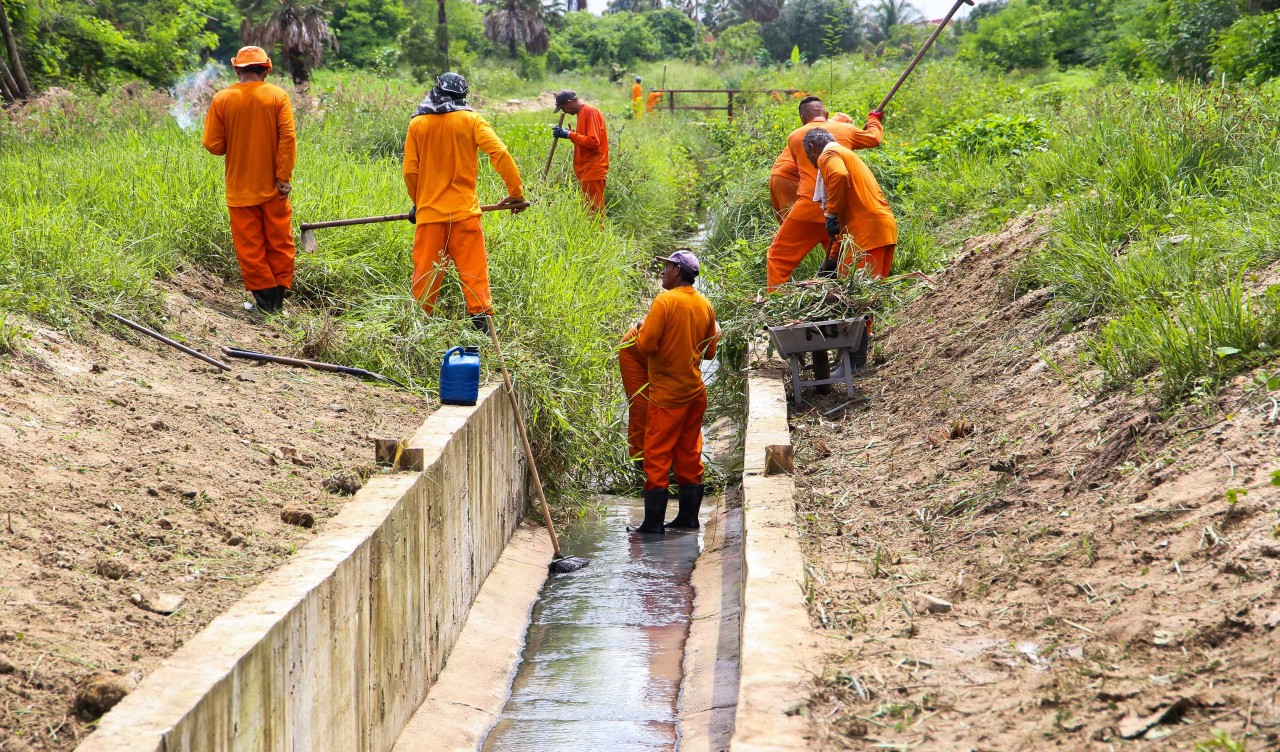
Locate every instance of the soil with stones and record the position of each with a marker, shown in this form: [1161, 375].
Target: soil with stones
[1004, 555]
[142, 492]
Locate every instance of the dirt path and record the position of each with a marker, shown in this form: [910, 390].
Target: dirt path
[129, 469]
[1006, 557]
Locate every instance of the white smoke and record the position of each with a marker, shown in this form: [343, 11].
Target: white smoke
[192, 94]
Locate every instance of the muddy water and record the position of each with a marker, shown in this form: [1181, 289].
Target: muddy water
[601, 664]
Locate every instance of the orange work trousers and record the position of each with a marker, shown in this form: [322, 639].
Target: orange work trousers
[635, 381]
[793, 242]
[673, 441]
[263, 238]
[782, 194]
[594, 191]
[461, 241]
[879, 260]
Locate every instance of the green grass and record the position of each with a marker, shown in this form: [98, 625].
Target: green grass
[106, 194]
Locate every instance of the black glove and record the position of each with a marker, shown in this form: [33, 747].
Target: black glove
[413, 215]
[833, 227]
[828, 269]
[559, 132]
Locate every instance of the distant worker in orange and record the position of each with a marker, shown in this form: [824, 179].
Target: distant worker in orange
[637, 99]
[784, 178]
[858, 219]
[251, 124]
[440, 168]
[651, 101]
[590, 146]
[805, 225]
[679, 333]
[634, 368]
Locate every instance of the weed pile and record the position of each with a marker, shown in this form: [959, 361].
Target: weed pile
[104, 194]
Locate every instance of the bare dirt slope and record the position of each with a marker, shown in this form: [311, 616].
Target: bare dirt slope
[1093, 585]
[130, 469]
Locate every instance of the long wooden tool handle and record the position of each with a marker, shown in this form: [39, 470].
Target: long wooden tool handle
[524, 437]
[232, 352]
[398, 217]
[176, 345]
[919, 55]
[547, 167]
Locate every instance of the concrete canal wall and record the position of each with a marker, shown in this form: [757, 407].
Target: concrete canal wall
[337, 648]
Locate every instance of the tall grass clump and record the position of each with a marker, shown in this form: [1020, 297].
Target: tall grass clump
[105, 194]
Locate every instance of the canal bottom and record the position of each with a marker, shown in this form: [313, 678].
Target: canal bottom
[602, 660]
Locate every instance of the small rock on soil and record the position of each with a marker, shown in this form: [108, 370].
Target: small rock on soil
[99, 693]
[297, 516]
[344, 483]
[159, 603]
[112, 569]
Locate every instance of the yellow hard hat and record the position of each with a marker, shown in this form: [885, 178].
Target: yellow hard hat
[251, 56]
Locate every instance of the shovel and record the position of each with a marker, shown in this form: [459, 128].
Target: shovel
[309, 244]
[547, 167]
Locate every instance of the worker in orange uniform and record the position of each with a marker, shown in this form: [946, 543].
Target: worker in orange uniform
[651, 101]
[805, 225]
[634, 368]
[250, 123]
[784, 177]
[637, 99]
[858, 219]
[590, 146]
[679, 333]
[440, 168]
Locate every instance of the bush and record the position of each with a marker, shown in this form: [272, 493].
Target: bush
[804, 24]
[991, 135]
[739, 44]
[1250, 49]
[1021, 36]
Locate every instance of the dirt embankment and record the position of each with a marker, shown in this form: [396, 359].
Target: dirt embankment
[134, 479]
[1006, 557]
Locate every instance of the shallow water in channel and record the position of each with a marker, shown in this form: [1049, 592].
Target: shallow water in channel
[602, 659]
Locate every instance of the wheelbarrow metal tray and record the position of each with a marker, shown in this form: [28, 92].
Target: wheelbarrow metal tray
[818, 335]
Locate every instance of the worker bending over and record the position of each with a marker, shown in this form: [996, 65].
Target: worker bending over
[679, 333]
[250, 123]
[858, 219]
[805, 225]
[637, 99]
[590, 146]
[634, 368]
[440, 167]
[784, 178]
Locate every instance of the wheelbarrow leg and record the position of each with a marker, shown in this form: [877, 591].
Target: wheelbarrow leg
[795, 378]
[848, 371]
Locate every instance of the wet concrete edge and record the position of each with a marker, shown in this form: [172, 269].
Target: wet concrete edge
[296, 663]
[779, 646]
[709, 687]
[473, 687]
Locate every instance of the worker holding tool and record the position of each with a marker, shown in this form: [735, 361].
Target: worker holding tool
[637, 99]
[634, 368]
[679, 332]
[440, 169]
[805, 225]
[784, 178]
[250, 123]
[858, 219]
[590, 146]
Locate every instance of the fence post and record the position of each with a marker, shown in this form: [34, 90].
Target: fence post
[731, 104]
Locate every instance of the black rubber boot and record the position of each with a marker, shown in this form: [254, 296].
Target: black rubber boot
[264, 300]
[278, 298]
[655, 510]
[690, 505]
[481, 322]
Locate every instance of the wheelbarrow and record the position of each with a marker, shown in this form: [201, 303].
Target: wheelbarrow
[842, 335]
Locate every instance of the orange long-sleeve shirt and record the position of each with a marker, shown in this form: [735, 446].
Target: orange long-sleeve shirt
[590, 145]
[251, 124]
[637, 92]
[677, 335]
[441, 165]
[847, 135]
[785, 166]
[854, 195]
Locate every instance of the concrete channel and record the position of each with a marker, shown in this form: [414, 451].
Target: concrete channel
[423, 619]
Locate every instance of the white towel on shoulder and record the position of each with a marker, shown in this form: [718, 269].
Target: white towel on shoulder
[819, 187]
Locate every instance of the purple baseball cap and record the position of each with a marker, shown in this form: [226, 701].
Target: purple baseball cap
[684, 259]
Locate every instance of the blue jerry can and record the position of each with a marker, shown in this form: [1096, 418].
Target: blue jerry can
[460, 376]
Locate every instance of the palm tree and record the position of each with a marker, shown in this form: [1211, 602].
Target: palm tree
[515, 23]
[442, 34]
[13, 79]
[886, 14]
[301, 30]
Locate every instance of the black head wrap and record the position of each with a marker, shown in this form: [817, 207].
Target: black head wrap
[449, 95]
